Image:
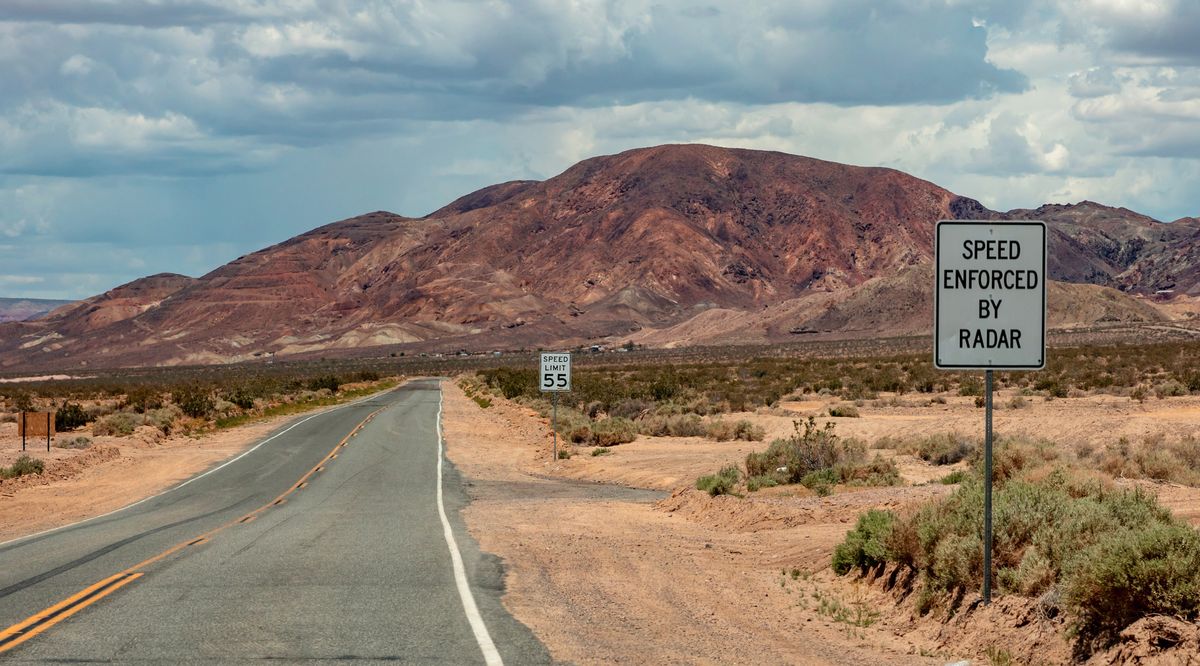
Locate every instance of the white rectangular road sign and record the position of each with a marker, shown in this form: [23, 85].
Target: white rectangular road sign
[990, 295]
[555, 373]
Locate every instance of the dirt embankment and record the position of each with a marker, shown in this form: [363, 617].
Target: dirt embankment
[602, 575]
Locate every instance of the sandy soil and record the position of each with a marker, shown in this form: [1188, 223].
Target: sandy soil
[603, 572]
[606, 574]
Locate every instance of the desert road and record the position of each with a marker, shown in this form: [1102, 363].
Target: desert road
[335, 539]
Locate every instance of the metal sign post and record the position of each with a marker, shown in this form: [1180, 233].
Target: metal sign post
[987, 488]
[989, 314]
[554, 377]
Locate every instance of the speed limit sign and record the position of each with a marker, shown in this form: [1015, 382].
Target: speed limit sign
[555, 375]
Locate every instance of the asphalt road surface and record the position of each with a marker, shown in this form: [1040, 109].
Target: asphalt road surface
[317, 545]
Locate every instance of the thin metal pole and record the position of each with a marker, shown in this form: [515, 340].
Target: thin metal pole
[24, 426]
[47, 432]
[554, 422]
[987, 490]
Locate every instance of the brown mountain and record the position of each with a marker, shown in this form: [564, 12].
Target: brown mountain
[711, 243]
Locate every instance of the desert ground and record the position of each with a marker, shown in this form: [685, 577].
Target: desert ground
[617, 558]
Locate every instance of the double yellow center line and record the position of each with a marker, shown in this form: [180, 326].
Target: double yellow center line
[45, 619]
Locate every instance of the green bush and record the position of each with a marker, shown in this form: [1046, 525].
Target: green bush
[195, 400]
[1133, 574]
[142, 399]
[810, 448]
[1117, 556]
[865, 546]
[69, 417]
[22, 466]
[756, 483]
[721, 483]
[242, 397]
[600, 451]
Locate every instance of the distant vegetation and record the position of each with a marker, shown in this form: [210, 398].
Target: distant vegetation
[186, 400]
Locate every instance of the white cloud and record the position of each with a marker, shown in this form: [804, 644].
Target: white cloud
[183, 134]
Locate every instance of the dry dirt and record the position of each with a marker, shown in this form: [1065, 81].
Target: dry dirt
[605, 573]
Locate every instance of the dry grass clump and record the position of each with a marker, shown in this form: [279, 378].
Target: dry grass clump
[1155, 457]
[724, 431]
[944, 448]
[668, 425]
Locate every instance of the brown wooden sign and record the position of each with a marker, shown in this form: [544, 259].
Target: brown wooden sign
[35, 424]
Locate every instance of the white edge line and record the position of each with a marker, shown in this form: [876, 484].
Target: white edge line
[491, 656]
[194, 478]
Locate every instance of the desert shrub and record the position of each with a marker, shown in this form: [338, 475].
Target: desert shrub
[326, 382]
[120, 424]
[682, 425]
[813, 449]
[614, 430]
[1116, 555]
[746, 431]
[1170, 388]
[195, 400]
[164, 418]
[631, 409]
[721, 483]
[600, 451]
[1018, 402]
[1155, 457]
[742, 429]
[848, 411]
[141, 399]
[719, 430]
[942, 448]
[21, 401]
[1133, 574]
[878, 471]
[865, 546]
[242, 397]
[366, 376]
[69, 417]
[483, 401]
[74, 443]
[21, 467]
[512, 382]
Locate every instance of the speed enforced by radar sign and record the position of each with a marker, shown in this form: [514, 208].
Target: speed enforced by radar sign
[990, 295]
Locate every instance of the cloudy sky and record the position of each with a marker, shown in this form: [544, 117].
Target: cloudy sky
[141, 136]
